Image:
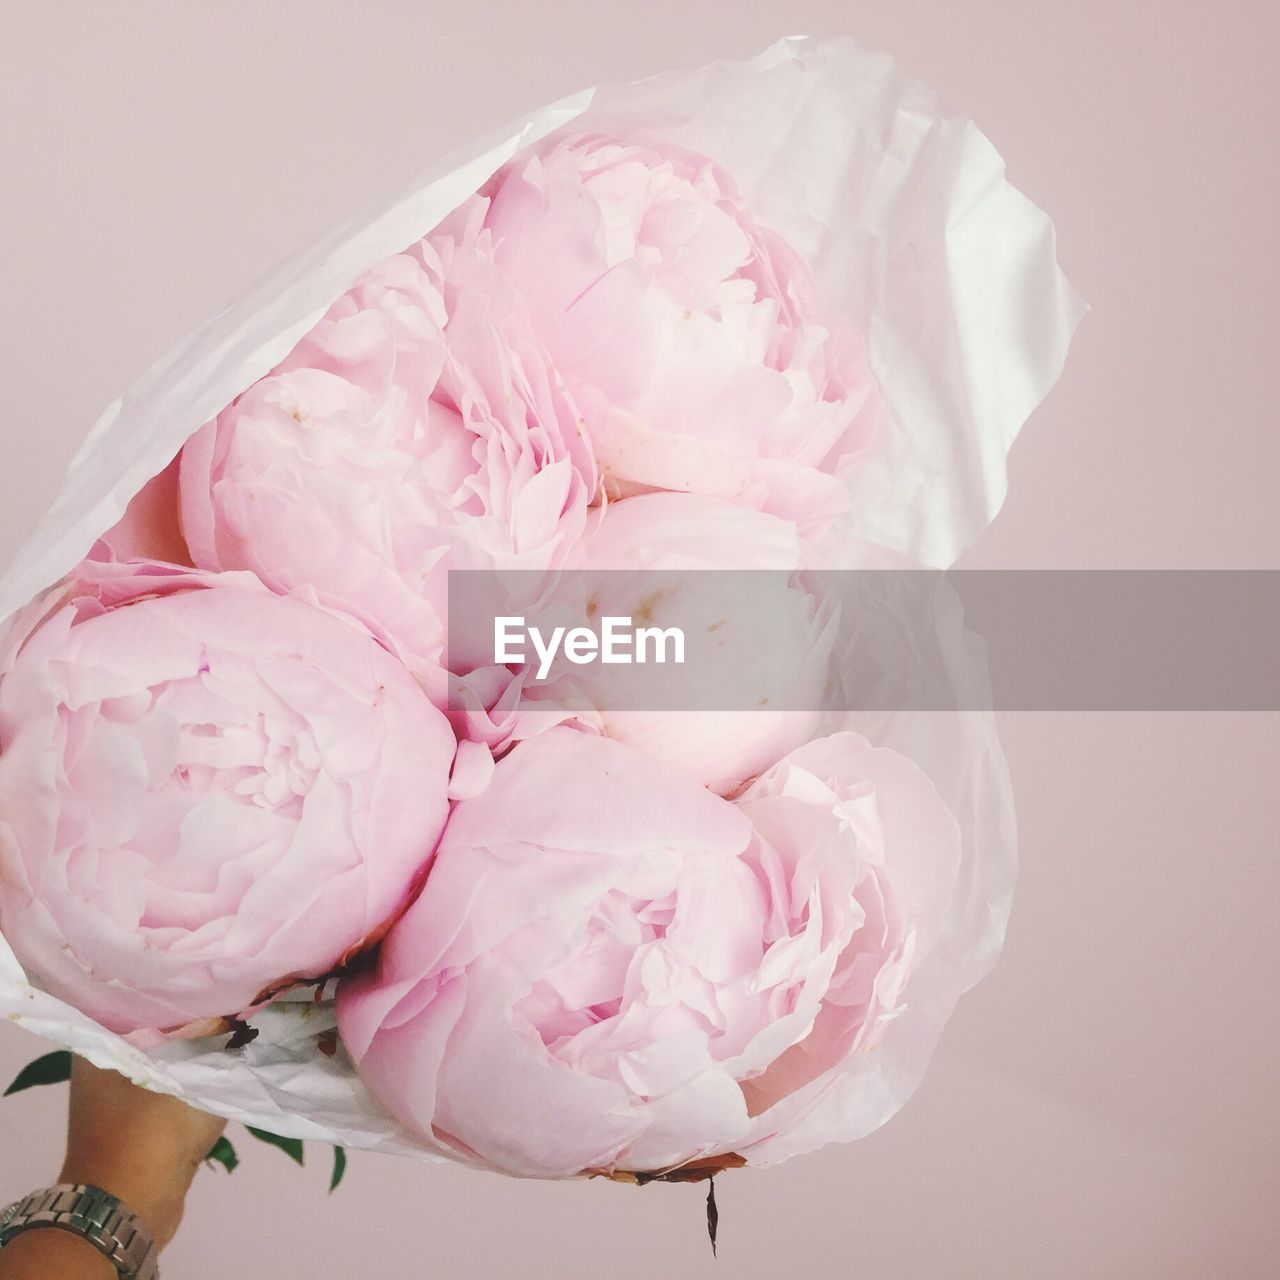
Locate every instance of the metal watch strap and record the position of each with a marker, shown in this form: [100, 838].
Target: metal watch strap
[92, 1213]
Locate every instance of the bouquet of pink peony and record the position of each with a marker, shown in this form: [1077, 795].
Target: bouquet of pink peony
[278, 835]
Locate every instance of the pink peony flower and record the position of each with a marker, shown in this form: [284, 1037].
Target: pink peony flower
[418, 427]
[610, 968]
[150, 528]
[757, 644]
[206, 791]
[691, 335]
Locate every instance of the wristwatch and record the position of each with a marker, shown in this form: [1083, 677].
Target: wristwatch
[89, 1212]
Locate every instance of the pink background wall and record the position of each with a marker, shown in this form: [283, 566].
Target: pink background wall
[1104, 1105]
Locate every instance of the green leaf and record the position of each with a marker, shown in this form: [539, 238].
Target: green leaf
[53, 1068]
[292, 1147]
[339, 1167]
[223, 1153]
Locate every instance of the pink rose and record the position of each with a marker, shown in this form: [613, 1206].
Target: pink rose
[610, 968]
[418, 427]
[206, 791]
[691, 335]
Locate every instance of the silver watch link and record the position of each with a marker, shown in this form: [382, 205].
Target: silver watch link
[92, 1213]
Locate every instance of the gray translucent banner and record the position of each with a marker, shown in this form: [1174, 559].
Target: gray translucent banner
[878, 640]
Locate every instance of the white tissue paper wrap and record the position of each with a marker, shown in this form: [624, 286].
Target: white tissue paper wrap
[914, 235]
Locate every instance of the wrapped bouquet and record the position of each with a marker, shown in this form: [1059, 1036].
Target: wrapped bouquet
[281, 835]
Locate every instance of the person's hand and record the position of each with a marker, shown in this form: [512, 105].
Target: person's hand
[142, 1147]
